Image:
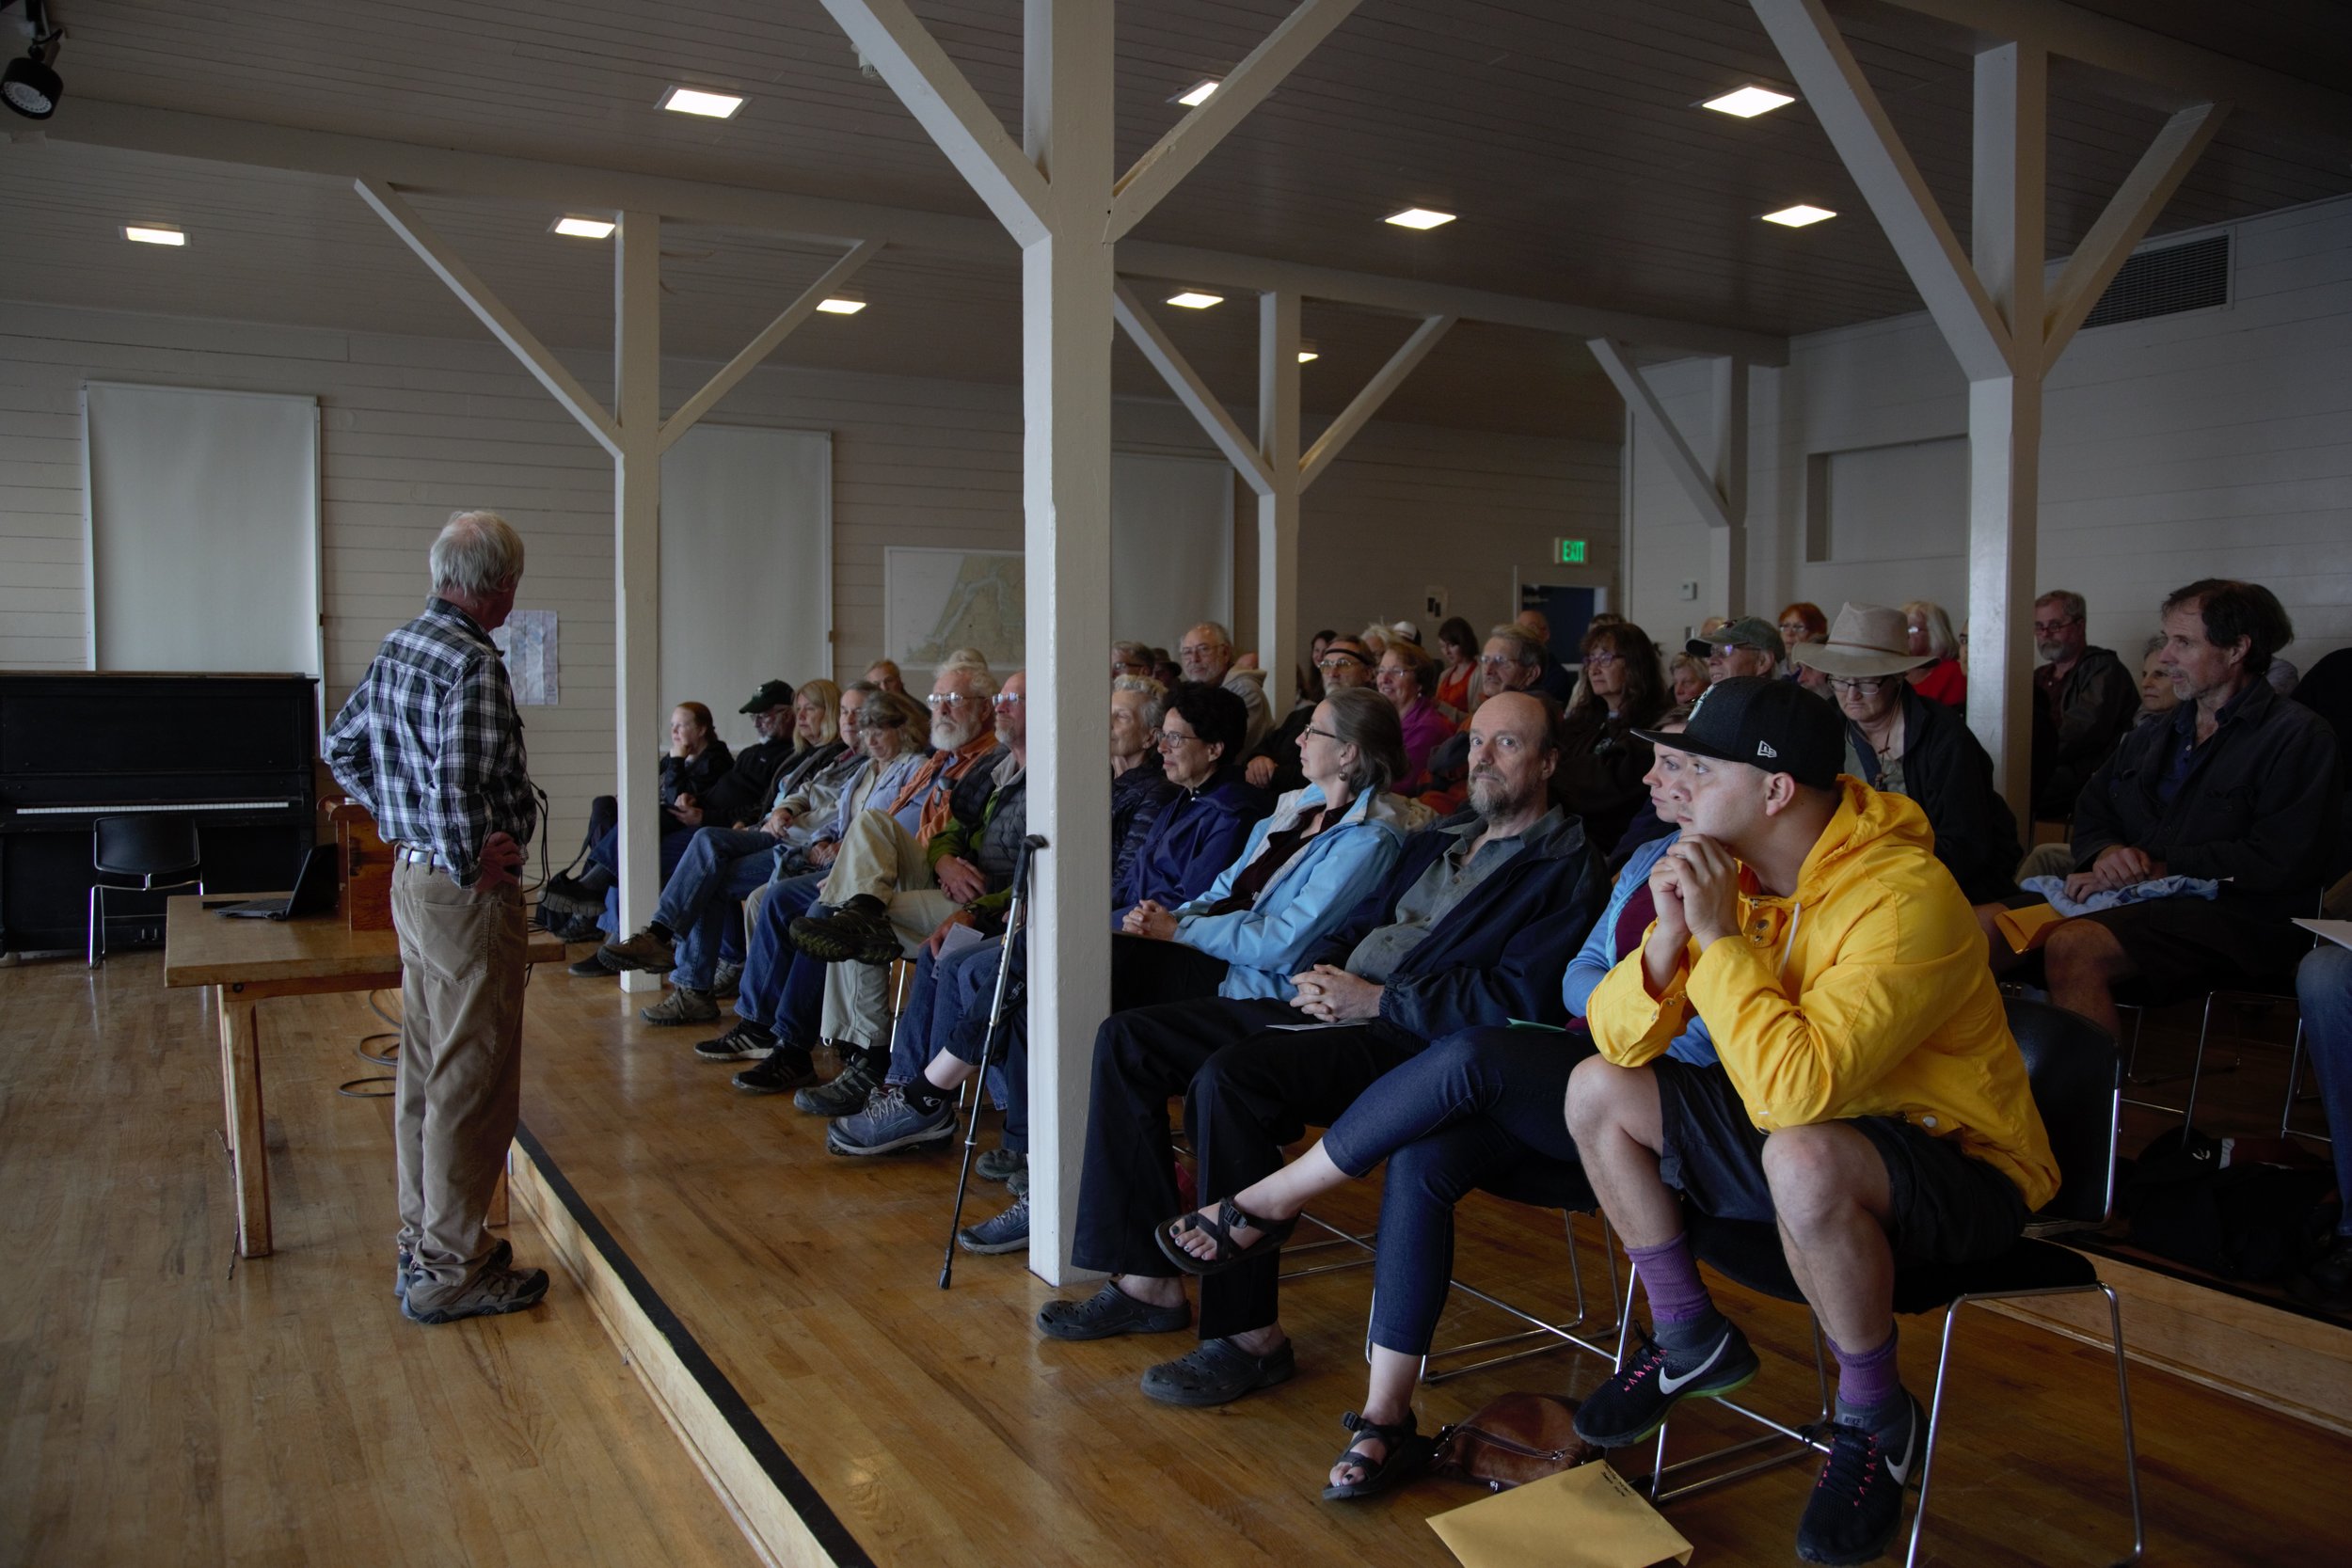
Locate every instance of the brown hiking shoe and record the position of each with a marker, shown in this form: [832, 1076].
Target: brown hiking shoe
[647, 949]
[684, 1005]
[493, 1291]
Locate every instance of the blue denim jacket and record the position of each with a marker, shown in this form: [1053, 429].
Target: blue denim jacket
[1599, 954]
[1268, 943]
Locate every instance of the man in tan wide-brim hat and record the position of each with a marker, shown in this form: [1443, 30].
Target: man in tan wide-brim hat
[1867, 641]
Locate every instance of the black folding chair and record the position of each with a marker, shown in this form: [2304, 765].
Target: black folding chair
[139, 854]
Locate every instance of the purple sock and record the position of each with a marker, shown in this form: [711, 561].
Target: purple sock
[1869, 1385]
[1670, 1277]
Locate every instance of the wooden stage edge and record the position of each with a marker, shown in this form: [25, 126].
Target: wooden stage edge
[774, 1505]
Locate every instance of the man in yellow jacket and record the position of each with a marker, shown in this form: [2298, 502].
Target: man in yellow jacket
[1869, 1098]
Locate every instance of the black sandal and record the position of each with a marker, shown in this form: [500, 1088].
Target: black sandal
[1408, 1455]
[1220, 1229]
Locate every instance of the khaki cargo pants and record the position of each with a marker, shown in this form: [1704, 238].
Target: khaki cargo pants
[461, 1005]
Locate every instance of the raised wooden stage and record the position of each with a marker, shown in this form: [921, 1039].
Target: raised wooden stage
[165, 1406]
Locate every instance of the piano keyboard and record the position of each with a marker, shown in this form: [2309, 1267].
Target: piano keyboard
[141, 808]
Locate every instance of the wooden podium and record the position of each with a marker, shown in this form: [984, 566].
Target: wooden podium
[363, 867]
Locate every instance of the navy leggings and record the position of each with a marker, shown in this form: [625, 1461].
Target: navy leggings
[1484, 1108]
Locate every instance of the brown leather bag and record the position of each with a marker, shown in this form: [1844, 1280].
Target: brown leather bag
[1511, 1441]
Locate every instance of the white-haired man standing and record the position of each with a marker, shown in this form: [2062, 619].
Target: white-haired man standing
[429, 742]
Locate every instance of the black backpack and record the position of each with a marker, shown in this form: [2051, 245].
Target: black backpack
[2247, 1220]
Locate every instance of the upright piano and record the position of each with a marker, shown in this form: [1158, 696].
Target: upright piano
[236, 755]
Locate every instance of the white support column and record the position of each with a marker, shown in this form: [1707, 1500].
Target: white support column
[1066, 283]
[637, 704]
[1728, 545]
[2005, 412]
[1278, 510]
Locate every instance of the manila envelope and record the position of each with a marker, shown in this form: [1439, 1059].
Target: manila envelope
[2029, 927]
[1587, 1517]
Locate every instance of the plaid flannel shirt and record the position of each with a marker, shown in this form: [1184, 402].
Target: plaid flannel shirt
[430, 743]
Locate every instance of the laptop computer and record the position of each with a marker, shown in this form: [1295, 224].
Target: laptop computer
[313, 893]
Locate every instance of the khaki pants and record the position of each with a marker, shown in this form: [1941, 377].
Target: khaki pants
[884, 860]
[461, 1001]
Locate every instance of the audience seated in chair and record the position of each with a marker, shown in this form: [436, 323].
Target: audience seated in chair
[1512, 661]
[1457, 677]
[1470, 925]
[1750, 645]
[1139, 783]
[1168, 859]
[696, 759]
[1942, 677]
[722, 866]
[1900, 742]
[1799, 623]
[1601, 759]
[1208, 654]
[884, 673]
[1869, 1096]
[1553, 677]
[2239, 787]
[2088, 697]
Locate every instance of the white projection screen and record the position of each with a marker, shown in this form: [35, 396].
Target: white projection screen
[746, 567]
[1172, 546]
[201, 510]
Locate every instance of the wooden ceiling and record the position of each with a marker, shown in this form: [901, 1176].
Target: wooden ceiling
[1564, 135]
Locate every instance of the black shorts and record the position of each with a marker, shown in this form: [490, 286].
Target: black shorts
[1947, 1207]
[2184, 947]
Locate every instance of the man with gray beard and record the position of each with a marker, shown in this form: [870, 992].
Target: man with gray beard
[2087, 699]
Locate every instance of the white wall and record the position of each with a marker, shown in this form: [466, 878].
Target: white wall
[415, 428]
[2217, 443]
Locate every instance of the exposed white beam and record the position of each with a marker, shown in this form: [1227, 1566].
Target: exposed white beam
[1415, 297]
[1848, 110]
[1279, 509]
[1681, 460]
[1727, 546]
[503, 324]
[943, 102]
[421, 169]
[776, 332]
[1367, 402]
[1147, 335]
[1246, 86]
[2191, 73]
[2125, 221]
[636, 701]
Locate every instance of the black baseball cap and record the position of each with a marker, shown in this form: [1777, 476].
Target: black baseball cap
[1773, 724]
[774, 695]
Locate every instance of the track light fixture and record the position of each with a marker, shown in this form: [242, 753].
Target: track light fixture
[31, 86]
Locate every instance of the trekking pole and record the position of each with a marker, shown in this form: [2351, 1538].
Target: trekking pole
[1013, 915]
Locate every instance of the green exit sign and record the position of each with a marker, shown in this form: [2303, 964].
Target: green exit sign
[1571, 551]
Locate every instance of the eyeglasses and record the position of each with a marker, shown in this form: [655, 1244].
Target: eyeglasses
[2043, 629]
[1199, 650]
[1603, 656]
[1325, 735]
[1007, 699]
[1718, 650]
[1499, 661]
[1859, 686]
[951, 699]
[1169, 739]
[1339, 661]
[1797, 629]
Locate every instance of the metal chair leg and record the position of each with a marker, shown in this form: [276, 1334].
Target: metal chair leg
[95, 904]
[2123, 1405]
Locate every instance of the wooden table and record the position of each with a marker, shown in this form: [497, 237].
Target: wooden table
[248, 961]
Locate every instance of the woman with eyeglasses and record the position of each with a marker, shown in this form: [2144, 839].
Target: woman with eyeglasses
[1305, 868]
[1803, 622]
[1900, 742]
[1405, 679]
[1601, 759]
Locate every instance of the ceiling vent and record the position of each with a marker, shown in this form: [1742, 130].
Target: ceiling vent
[2167, 281]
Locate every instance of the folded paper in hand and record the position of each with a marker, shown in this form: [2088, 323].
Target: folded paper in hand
[1587, 1517]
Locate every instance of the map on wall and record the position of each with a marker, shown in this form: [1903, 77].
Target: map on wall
[527, 643]
[937, 601]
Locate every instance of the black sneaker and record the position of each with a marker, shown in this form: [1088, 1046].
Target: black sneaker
[846, 1095]
[848, 935]
[1634, 1402]
[593, 967]
[2326, 1282]
[788, 1067]
[745, 1042]
[1857, 1504]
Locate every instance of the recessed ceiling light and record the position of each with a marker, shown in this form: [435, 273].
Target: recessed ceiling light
[581, 229]
[1418, 217]
[1799, 215]
[1197, 94]
[1748, 102]
[153, 234]
[1307, 352]
[1193, 299]
[841, 306]
[694, 100]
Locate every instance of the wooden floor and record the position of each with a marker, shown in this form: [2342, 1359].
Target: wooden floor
[159, 1405]
[159, 1409]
